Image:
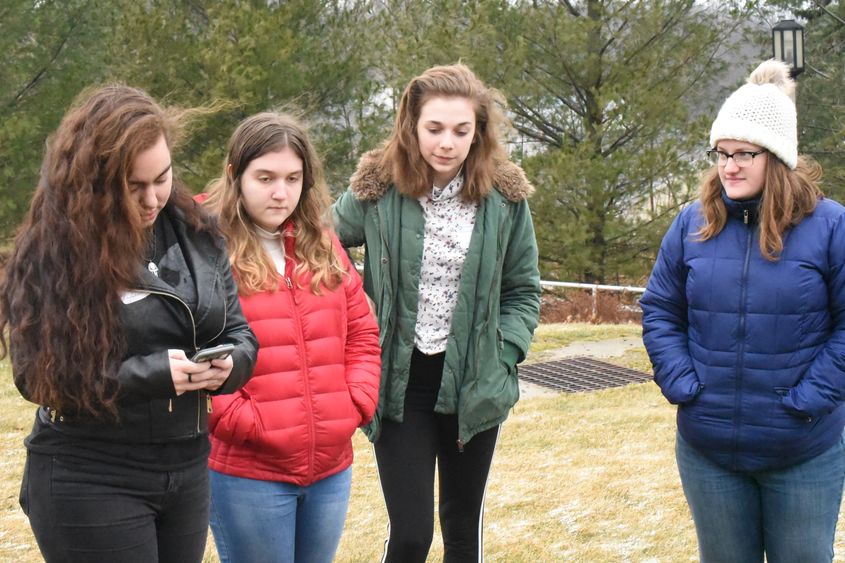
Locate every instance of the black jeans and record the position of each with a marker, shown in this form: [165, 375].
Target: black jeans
[87, 511]
[406, 453]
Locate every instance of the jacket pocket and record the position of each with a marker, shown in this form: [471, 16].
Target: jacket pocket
[684, 390]
[239, 421]
[354, 412]
[793, 415]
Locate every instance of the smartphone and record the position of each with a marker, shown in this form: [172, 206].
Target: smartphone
[215, 353]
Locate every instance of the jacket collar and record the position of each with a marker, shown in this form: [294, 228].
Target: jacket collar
[202, 252]
[289, 241]
[371, 181]
[740, 209]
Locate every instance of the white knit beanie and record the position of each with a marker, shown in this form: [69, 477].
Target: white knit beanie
[762, 112]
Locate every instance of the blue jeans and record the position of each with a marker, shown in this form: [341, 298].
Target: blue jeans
[788, 513]
[267, 521]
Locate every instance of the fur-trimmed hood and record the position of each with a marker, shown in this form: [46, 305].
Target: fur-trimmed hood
[370, 181]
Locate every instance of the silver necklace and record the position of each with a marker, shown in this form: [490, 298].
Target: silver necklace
[151, 266]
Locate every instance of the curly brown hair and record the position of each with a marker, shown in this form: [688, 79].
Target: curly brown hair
[79, 246]
[401, 156]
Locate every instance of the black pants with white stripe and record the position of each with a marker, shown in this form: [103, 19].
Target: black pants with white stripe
[406, 454]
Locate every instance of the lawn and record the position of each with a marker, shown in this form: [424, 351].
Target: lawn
[585, 477]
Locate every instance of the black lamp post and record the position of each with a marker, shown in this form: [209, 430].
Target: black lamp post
[788, 45]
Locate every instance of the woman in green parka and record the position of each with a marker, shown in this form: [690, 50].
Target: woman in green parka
[451, 264]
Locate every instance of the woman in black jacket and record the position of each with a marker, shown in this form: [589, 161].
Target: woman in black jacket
[116, 280]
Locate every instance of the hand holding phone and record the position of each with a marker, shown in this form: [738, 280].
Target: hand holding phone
[215, 353]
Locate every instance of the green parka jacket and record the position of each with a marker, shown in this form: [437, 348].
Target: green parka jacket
[499, 296]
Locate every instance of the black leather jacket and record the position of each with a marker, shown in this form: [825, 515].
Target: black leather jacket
[156, 319]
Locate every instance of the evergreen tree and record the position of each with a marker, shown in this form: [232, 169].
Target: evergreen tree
[51, 51]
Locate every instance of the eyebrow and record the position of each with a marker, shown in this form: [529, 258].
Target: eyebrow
[133, 180]
[263, 171]
[434, 122]
[742, 149]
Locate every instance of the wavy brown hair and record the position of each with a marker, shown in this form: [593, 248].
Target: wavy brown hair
[80, 245]
[401, 156]
[787, 197]
[254, 137]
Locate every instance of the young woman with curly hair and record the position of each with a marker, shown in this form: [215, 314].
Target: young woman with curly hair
[117, 279]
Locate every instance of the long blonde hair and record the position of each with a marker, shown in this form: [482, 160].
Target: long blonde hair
[787, 197]
[411, 175]
[253, 267]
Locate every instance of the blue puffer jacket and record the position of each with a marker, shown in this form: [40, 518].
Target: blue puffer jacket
[752, 350]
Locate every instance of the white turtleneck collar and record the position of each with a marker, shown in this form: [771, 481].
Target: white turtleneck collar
[273, 244]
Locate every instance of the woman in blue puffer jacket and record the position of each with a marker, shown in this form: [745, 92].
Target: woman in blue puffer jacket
[744, 322]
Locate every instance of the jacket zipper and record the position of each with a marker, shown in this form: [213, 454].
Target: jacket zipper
[196, 348]
[208, 408]
[499, 254]
[742, 322]
[384, 260]
[300, 342]
[194, 332]
[385, 312]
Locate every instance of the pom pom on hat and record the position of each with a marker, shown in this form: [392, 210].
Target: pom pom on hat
[762, 112]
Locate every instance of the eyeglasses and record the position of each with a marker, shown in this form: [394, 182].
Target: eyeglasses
[741, 158]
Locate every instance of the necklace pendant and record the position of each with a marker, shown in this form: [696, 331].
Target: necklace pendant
[152, 268]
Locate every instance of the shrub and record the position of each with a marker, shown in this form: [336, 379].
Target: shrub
[576, 305]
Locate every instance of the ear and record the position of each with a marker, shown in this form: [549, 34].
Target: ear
[229, 171]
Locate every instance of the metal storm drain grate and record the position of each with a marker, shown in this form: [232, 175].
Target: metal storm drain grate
[580, 374]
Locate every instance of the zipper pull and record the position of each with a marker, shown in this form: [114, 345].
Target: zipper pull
[745, 216]
[208, 403]
[460, 446]
[288, 282]
[169, 405]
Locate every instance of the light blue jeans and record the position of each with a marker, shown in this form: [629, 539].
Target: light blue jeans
[267, 521]
[789, 513]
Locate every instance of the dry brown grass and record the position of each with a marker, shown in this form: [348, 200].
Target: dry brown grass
[16, 415]
[587, 477]
[583, 477]
[557, 335]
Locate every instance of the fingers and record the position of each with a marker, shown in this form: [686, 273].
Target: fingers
[177, 354]
[187, 382]
[218, 372]
[223, 363]
[212, 378]
[184, 372]
[190, 376]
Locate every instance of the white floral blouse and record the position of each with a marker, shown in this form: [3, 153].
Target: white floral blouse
[448, 228]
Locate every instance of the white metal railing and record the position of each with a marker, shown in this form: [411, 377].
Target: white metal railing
[595, 288]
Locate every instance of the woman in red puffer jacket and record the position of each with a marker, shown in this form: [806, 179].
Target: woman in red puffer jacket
[281, 450]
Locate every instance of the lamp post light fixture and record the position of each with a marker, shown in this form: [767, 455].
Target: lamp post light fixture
[788, 45]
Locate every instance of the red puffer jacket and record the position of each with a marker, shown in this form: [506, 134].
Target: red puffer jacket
[315, 381]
